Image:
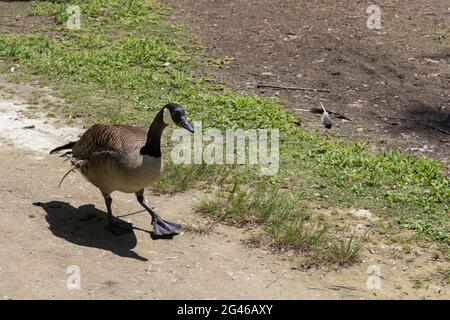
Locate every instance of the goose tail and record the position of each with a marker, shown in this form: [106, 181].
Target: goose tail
[63, 147]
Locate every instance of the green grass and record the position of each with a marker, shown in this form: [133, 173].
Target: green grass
[417, 283]
[444, 37]
[287, 221]
[128, 60]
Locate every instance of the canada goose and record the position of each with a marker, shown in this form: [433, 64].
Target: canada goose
[127, 159]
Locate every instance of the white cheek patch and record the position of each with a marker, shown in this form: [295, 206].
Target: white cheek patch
[167, 118]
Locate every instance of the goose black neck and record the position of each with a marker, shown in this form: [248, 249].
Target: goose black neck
[152, 146]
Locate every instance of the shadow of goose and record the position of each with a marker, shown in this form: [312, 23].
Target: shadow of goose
[86, 226]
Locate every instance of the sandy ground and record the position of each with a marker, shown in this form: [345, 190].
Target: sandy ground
[44, 230]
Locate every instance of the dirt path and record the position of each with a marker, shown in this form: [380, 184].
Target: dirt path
[393, 83]
[67, 227]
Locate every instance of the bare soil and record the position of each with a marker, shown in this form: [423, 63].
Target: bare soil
[15, 16]
[393, 83]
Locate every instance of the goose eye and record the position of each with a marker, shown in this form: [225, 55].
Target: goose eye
[177, 115]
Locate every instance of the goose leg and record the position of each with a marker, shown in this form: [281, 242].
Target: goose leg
[161, 227]
[117, 227]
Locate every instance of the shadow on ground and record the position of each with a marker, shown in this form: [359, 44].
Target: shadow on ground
[86, 226]
[419, 117]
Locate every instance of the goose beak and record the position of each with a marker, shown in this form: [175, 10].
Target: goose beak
[185, 124]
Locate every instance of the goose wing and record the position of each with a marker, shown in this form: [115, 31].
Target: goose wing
[117, 140]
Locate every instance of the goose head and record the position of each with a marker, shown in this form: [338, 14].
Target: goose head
[174, 114]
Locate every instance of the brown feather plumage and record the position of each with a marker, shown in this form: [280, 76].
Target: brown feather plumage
[119, 139]
[110, 158]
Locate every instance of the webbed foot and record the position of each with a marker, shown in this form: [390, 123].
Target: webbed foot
[165, 228]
